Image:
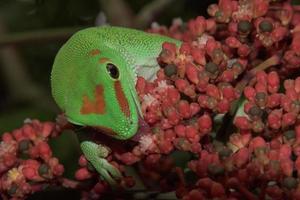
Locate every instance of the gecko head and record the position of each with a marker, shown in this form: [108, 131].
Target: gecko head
[92, 84]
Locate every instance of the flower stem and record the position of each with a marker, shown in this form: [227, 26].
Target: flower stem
[274, 60]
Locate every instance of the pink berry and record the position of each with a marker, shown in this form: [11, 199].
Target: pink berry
[273, 82]
[249, 93]
[288, 119]
[213, 91]
[274, 119]
[242, 123]
[82, 174]
[184, 109]
[205, 124]
[29, 172]
[192, 73]
[180, 130]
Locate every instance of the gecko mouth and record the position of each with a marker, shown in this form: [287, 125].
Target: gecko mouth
[143, 127]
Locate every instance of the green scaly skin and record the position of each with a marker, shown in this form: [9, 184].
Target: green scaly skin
[91, 96]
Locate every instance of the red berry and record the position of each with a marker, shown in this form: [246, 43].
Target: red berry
[297, 84]
[229, 93]
[213, 91]
[18, 135]
[285, 152]
[192, 73]
[227, 76]
[181, 84]
[173, 95]
[205, 124]
[199, 56]
[58, 170]
[47, 129]
[274, 100]
[128, 158]
[273, 82]
[233, 42]
[223, 106]
[9, 159]
[44, 150]
[243, 50]
[185, 48]
[249, 93]
[197, 26]
[83, 174]
[217, 190]
[289, 83]
[165, 146]
[286, 103]
[194, 108]
[195, 195]
[257, 142]
[288, 119]
[261, 87]
[287, 167]
[180, 130]
[242, 123]
[274, 119]
[291, 94]
[29, 132]
[140, 85]
[241, 157]
[184, 109]
[173, 116]
[191, 132]
[7, 137]
[82, 161]
[30, 173]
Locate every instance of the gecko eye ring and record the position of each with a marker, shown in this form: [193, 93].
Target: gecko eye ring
[112, 70]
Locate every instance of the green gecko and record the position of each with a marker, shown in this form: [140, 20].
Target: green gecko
[93, 81]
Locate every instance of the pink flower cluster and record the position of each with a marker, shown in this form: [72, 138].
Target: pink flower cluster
[26, 160]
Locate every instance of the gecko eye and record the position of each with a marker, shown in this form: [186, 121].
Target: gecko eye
[112, 70]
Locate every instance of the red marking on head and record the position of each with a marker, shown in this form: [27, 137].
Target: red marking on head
[103, 60]
[97, 106]
[121, 98]
[94, 52]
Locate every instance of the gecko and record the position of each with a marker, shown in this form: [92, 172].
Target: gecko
[93, 82]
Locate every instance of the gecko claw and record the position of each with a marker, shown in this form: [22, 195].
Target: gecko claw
[96, 154]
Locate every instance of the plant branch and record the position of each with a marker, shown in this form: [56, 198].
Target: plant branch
[274, 60]
[37, 36]
[148, 13]
[118, 12]
[20, 85]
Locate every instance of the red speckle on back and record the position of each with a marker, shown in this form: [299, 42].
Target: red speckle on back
[103, 60]
[97, 106]
[94, 52]
[122, 99]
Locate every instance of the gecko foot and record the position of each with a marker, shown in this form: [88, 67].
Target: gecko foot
[96, 154]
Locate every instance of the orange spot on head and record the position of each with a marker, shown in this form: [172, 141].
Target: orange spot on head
[122, 99]
[103, 60]
[97, 106]
[94, 52]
